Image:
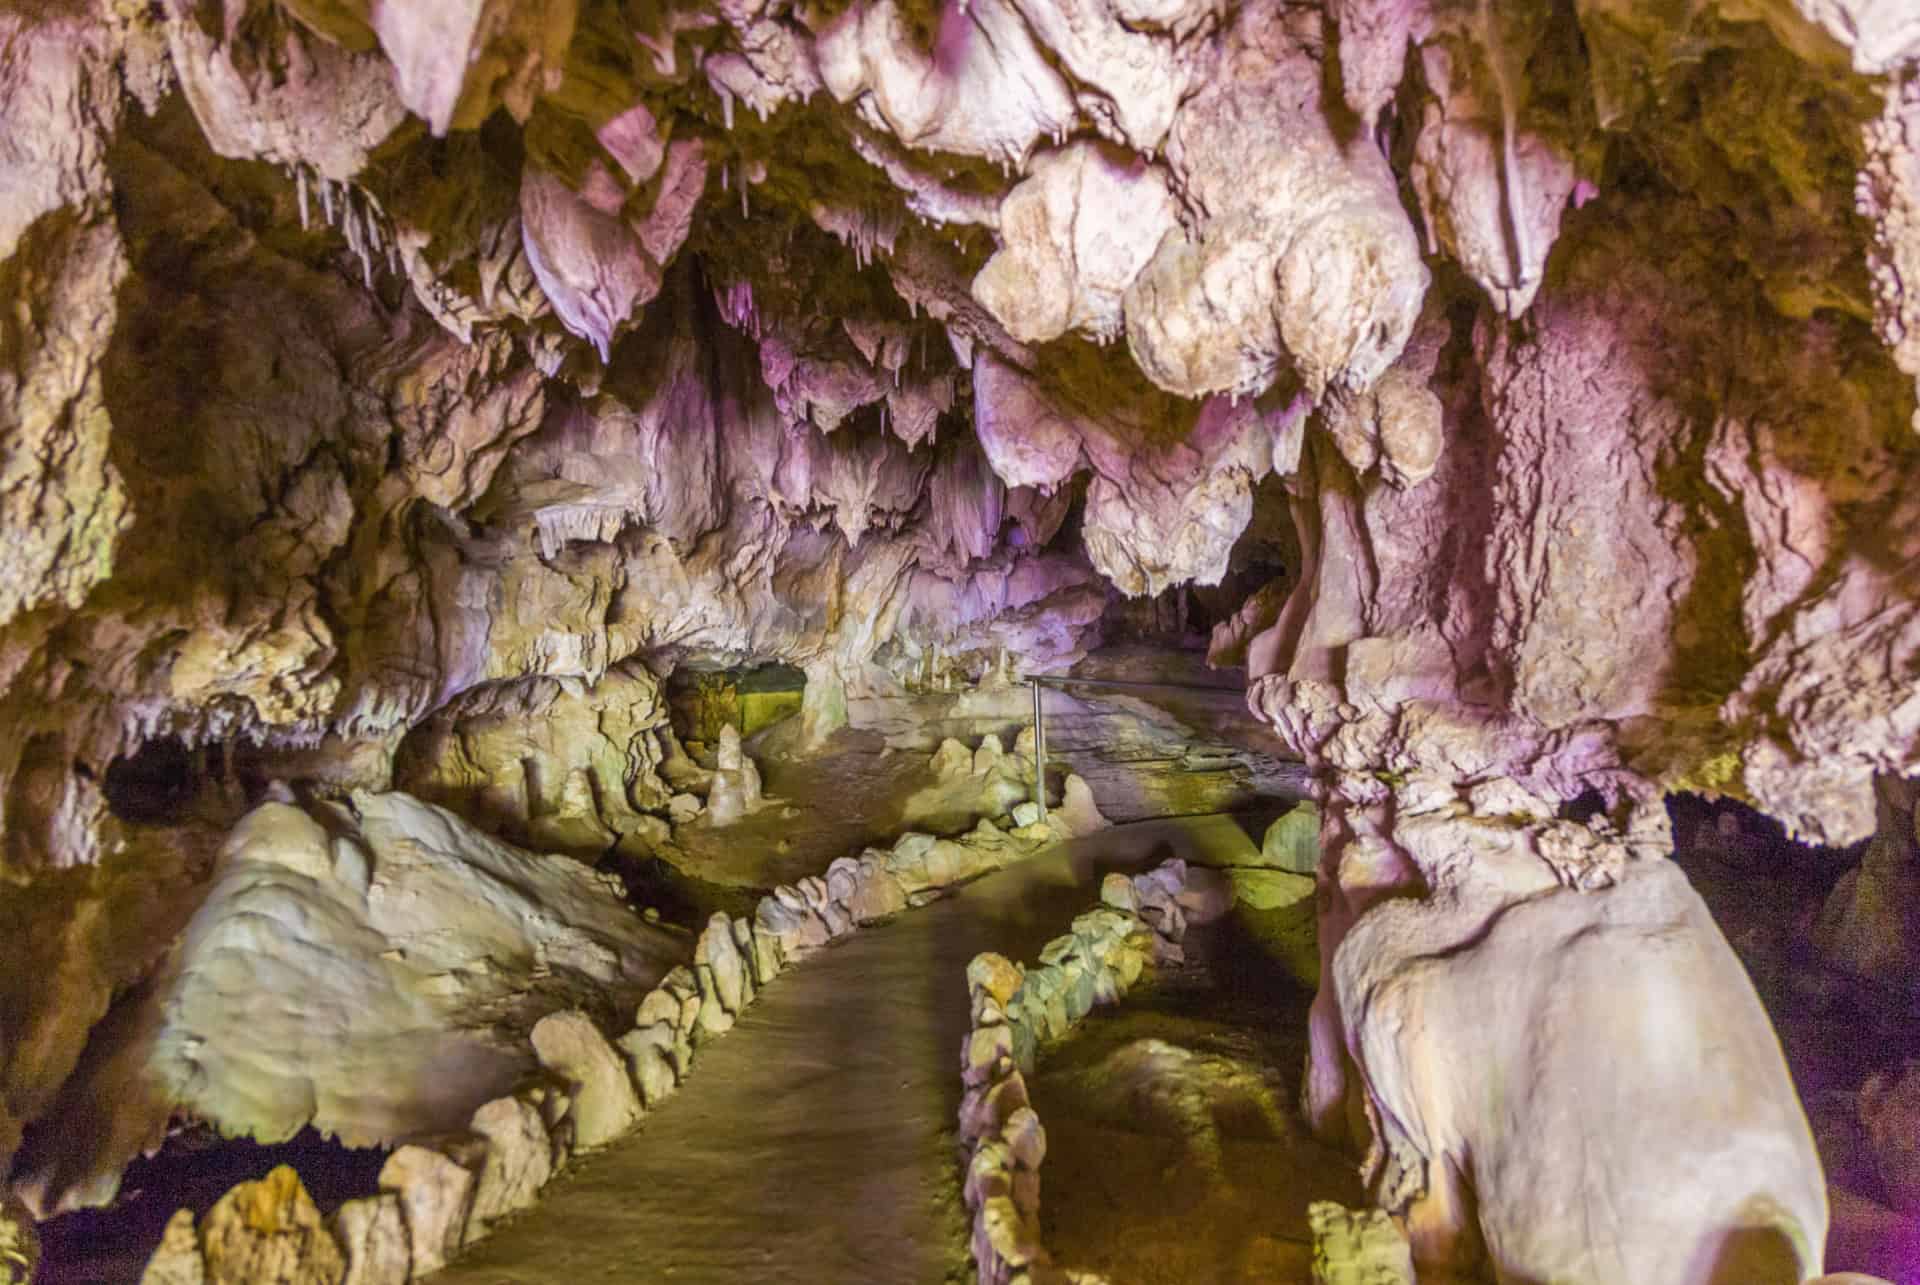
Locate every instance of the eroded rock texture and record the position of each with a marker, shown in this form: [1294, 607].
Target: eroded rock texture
[391, 394]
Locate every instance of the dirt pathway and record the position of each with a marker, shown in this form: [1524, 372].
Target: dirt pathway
[814, 1143]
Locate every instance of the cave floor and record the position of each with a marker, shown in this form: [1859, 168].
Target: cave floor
[1175, 1152]
[852, 792]
[815, 1141]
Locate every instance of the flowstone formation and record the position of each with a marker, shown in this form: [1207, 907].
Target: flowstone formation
[390, 395]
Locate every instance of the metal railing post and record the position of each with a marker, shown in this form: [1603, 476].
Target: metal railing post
[1039, 751]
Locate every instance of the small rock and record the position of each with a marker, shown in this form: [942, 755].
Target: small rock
[1270, 889]
[843, 877]
[994, 975]
[373, 1232]
[984, 1112]
[714, 1019]
[736, 781]
[796, 929]
[952, 761]
[269, 1230]
[436, 1193]
[1129, 962]
[878, 895]
[1081, 991]
[1293, 841]
[604, 1103]
[1060, 949]
[989, 1174]
[718, 951]
[1014, 1237]
[767, 962]
[1890, 1114]
[177, 1260]
[1026, 1139]
[1117, 890]
[683, 808]
[658, 1006]
[988, 1050]
[1160, 910]
[1026, 814]
[950, 862]
[839, 923]
[518, 1163]
[645, 835]
[649, 1054]
[988, 756]
[1077, 810]
[20, 1242]
[1357, 1248]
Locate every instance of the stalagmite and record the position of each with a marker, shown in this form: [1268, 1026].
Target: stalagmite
[409, 658]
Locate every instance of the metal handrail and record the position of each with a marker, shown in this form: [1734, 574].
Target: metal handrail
[1040, 723]
[1064, 679]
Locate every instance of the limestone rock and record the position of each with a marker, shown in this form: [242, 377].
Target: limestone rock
[436, 1195]
[1292, 842]
[1870, 925]
[1509, 972]
[718, 951]
[736, 781]
[649, 1054]
[519, 1160]
[952, 761]
[714, 1016]
[19, 1244]
[988, 755]
[372, 1231]
[1117, 891]
[988, 1053]
[1357, 1247]
[604, 1105]
[395, 930]
[1077, 811]
[877, 894]
[993, 975]
[1890, 1112]
[1270, 889]
[269, 1230]
[177, 1260]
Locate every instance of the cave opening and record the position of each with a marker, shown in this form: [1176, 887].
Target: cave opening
[749, 698]
[157, 783]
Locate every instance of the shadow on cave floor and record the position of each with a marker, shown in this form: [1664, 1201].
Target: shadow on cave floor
[1764, 891]
[1175, 1153]
[815, 1142]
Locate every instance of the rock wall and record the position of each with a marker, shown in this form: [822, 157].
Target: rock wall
[361, 375]
[372, 970]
